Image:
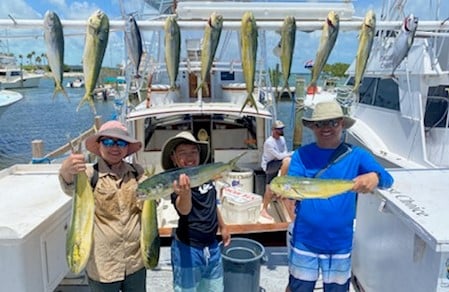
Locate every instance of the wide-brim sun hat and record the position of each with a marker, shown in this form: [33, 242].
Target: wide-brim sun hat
[112, 129]
[278, 124]
[327, 110]
[182, 137]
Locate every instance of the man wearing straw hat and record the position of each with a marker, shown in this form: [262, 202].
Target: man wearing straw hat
[323, 228]
[195, 253]
[115, 262]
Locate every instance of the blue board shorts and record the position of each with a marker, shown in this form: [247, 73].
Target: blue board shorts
[196, 269]
[305, 267]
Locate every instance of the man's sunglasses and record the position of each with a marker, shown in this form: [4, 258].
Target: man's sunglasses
[108, 142]
[327, 123]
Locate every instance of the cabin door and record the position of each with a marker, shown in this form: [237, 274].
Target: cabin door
[193, 84]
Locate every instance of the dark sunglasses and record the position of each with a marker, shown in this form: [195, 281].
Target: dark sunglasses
[327, 123]
[108, 142]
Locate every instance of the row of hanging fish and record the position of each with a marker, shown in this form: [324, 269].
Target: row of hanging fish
[96, 41]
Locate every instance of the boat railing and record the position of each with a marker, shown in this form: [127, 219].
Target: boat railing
[37, 146]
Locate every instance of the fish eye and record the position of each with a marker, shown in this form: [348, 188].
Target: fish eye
[140, 193]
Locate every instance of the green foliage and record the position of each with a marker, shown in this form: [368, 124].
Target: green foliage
[336, 69]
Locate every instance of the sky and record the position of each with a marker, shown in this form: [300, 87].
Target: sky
[306, 45]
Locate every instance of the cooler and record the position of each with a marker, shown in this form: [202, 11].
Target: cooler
[34, 215]
[401, 241]
[239, 207]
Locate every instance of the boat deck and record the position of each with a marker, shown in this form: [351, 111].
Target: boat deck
[273, 274]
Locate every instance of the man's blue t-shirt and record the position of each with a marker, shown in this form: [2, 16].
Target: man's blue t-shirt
[326, 225]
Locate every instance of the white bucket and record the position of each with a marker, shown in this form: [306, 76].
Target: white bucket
[241, 179]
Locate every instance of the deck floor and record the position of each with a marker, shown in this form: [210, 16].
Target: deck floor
[273, 274]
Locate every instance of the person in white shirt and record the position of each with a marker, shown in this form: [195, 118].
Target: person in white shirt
[275, 158]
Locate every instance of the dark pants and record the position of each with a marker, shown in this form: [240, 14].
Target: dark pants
[296, 285]
[135, 282]
[272, 170]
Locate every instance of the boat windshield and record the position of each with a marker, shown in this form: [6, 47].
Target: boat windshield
[437, 107]
[378, 92]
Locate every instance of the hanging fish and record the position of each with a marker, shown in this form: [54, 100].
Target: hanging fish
[300, 188]
[54, 42]
[172, 49]
[327, 41]
[97, 34]
[209, 46]
[134, 44]
[366, 39]
[287, 46]
[248, 49]
[404, 41]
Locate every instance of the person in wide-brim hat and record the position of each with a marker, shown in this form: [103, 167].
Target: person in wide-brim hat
[112, 129]
[327, 110]
[183, 137]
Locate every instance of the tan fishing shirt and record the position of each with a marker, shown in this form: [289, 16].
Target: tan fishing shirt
[116, 243]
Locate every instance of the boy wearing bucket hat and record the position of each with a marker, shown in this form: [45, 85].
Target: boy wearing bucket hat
[195, 253]
[323, 229]
[275, 157]
[115, 262]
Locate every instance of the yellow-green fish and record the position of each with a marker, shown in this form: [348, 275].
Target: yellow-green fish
[328, 38]
[172, 49]
[79, 236]
[288, 35]
[54, 43]
[161, 184]
[97, 34]
[248, 49]
[299, 188]
[150, 241]
[366, 38]
[209, 46]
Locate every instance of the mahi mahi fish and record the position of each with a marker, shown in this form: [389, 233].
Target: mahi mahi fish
[54, 42]
[97, 34]
[404, 41]
[79, 235]
[134, 44]
[209, 46]
[299, 188]
[161, 185]
[172, 49]
[288, 35]
[366, 39]
[248, 49]
[150, 241]
[327, 41]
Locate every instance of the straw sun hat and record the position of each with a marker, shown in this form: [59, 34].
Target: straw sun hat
[173, 142]
[278, 124]
[327, 110]
[112, 129]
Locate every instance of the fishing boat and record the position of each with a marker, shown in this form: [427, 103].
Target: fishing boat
[217, 115]
[13, 77]
[7, 98]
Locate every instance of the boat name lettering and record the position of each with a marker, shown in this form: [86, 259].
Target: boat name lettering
[411, 204]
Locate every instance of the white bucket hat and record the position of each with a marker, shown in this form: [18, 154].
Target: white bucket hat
[327, 110]
[183, 137]
[278, 124]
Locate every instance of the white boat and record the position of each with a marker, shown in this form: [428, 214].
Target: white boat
[13, 77]
[77, 83]
[7, 98]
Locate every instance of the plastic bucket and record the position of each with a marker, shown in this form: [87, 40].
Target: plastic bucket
[241, 264]
[241, 179]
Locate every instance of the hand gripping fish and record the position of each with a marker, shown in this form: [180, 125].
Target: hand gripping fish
[161, 185]
[299, 188]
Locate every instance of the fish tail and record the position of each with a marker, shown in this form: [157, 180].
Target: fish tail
[61, 89]
[233, 162]
[87, 98]
[250, 100]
